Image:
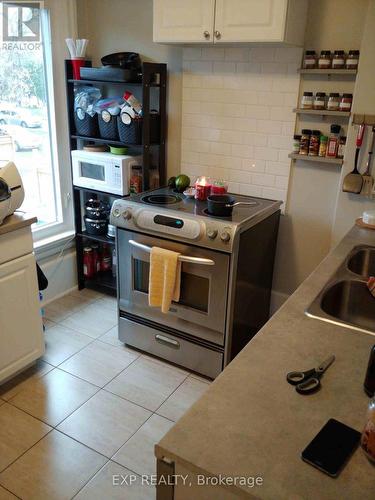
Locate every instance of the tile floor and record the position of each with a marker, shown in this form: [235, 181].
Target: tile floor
[90, 411]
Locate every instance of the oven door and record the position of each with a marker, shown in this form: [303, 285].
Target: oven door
[201, 310]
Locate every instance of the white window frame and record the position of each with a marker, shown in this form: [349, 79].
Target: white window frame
[61, 23]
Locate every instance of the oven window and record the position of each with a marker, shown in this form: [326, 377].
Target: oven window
[194, 289]
[92, 171]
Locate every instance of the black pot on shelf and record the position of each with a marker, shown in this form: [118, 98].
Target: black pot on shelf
[96, 227]
[96, 209]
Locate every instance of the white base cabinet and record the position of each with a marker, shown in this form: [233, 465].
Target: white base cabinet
[21, 328]
[230, 21]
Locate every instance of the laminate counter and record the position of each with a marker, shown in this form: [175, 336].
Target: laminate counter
[252, 423]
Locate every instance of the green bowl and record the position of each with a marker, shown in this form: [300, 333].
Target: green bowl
[118, 150]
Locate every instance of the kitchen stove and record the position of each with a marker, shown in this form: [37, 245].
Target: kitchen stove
[227, 267]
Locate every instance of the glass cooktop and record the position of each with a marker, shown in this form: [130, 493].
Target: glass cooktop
[169, 199]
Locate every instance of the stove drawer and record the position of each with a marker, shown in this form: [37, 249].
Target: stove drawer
[187, 354]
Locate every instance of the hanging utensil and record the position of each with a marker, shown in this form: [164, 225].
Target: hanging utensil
[368, 180]
[353, 181]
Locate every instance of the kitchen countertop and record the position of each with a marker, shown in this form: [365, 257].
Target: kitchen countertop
[16, 221]
[251, 422]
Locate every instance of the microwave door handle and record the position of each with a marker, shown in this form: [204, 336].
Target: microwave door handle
[181, 258]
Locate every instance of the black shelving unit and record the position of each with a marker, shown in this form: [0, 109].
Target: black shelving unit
[152, 88]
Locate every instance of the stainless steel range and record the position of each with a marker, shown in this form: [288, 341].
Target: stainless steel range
[226, 277]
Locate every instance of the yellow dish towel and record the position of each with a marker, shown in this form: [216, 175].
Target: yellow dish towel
[165, 278]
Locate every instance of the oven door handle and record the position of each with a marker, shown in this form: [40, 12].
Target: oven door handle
[181, 258]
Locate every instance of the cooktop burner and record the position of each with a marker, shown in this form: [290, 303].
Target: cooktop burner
[161, 199]
[206, 212]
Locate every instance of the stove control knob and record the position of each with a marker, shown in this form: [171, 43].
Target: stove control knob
[126, 214]
[225, 236]
[116, 212]
[211, 233]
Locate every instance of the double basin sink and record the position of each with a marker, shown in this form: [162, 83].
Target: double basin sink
[346, 300]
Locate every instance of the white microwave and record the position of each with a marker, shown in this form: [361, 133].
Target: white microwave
[103, 171]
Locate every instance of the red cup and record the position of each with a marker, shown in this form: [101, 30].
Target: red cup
[77, 64]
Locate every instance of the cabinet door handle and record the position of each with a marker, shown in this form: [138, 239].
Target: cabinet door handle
[206, 34]
[217, 34]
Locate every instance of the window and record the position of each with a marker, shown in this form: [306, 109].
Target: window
[27, 116]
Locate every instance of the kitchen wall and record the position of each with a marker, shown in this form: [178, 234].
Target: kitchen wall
[306, 231]
[125, 25]
[310, 225]
[351, 206]
[237, 117]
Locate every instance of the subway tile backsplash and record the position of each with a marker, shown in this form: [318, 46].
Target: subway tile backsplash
[237, 119]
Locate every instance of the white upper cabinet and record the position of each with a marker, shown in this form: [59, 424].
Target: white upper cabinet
[182, 21]
[230, 21]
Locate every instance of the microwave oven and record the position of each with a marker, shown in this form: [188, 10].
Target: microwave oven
[103, 171]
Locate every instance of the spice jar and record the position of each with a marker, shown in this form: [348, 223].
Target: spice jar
[314, 143]
[305, 141]
[307, 100]
[320, 100]
[333, 141]
[338, 60]
[346, 102]
[296, 143]
[368, 434]
[341, 148]
[135, 184]
[333, 103]
[352, 59]
[324, 61]
[309, 60]
[323, 145]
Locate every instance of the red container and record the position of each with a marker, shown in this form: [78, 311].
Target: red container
[77, 64]
[88, 263]
[202, 189]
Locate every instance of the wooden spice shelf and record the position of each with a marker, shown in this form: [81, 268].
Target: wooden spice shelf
[321, 112]
[317, 159]
[330, 71]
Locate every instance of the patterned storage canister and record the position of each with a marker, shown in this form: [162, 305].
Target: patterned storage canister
[86, 124]
[130, 129]
[108, 125]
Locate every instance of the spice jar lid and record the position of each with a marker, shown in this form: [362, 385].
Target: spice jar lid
[306, 131]
[339, 52]
[323, 138]
[354, 52]
[325, 52]
[334, 94]
[348, 95]
[335, 129]
[316, 132]
[308, 93]
[310, 52]
[343, 139]
[320, 94]
[297, 137]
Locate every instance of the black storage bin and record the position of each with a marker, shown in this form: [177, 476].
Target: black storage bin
[132, 133]
[85, 124]
[108, 129]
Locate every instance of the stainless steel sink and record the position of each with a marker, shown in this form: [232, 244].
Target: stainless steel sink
[345, 300]
[362, 262]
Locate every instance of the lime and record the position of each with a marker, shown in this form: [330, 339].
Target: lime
[182, 182]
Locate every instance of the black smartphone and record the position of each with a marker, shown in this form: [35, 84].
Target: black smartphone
[332, 447]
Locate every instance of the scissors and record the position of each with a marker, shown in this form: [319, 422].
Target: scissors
[309, 381]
